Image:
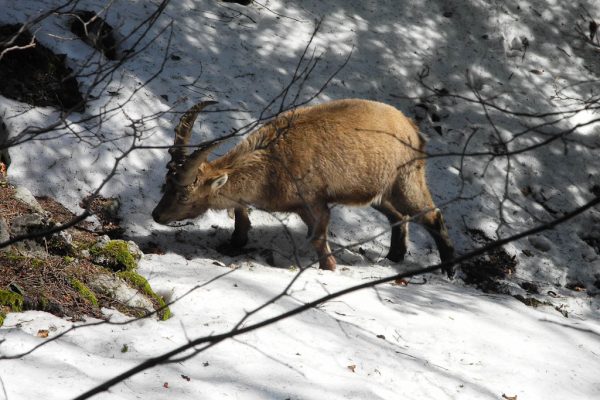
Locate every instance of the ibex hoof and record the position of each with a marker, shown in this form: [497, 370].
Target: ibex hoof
[238, 241]
[395, 256]
[328, 263]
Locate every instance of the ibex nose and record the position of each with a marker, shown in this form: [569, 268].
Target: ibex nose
[157, 217]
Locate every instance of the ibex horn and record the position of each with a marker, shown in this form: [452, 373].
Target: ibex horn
[183, 132]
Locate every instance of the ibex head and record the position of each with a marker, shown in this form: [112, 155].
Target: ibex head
[190, 179]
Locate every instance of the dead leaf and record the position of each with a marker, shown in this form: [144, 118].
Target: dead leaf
[536, 71]
[187, 378]
[166, 385]
[401, 282]
[576, 286]
[352, 368]
[509, 397]
[43, 333]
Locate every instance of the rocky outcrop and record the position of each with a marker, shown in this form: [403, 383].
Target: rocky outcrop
[4, 156]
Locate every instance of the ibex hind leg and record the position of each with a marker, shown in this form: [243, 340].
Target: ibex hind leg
[398, 244]
[417, 203]
[316, 217]
[435, 225]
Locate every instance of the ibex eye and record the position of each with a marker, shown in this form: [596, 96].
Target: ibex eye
[185, 194]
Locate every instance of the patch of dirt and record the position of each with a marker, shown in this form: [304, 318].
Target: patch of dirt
[96, 32]
[45, 284]
[486, 272]
[106, 209]
[535, 303]
[35, 75]
[46, 281]
[9, 207]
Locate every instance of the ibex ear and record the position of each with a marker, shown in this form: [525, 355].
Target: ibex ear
[202, 168]
[219, 182]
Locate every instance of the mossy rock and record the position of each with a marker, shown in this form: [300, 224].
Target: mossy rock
[12, 300]
[9, 301]
[115, 254]
[142, 284]
[84, 291]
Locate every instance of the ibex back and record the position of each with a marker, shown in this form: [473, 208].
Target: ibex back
[353, 152]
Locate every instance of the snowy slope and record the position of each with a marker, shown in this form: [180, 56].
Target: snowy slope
[440, 340]
[435, 341]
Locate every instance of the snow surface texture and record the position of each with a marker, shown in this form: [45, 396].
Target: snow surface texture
[436, 341]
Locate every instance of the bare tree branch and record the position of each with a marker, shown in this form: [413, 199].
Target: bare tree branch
[237, 331]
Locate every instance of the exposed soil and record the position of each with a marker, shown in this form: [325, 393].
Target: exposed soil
[486, 272]
[33, 74]
[106, 210]
[96, 32]
[46, 280]
[46, 284]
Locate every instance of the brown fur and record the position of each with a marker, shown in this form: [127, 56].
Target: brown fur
[354, 152]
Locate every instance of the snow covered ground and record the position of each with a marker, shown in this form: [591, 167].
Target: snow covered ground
[441, 340]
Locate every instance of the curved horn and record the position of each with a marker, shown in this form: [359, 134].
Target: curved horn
[183, 132]
[188, 174]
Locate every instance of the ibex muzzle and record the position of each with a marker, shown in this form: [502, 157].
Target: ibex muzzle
[353, 152]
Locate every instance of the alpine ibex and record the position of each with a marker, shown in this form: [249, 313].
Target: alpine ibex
[354, 152]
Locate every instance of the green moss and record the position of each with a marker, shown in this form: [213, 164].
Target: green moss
[15, 257]
[36, 262]
[118, 254]
[84, 291]
[12, 300]
[18, 258]
[141, 283]
[2, 316]
[43, 303]
[68, 259]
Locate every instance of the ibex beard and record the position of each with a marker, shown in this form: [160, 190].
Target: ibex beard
[351, 152]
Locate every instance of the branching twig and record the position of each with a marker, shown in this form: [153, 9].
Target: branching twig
[237, 331]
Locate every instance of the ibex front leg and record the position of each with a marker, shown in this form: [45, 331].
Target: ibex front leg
[316, 218]
[242, 226]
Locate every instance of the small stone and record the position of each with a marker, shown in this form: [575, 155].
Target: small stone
[4, 235]
[26, 224]
[103, 241]
[24, 196]
[541, 243]
[134, 249]
[120, 291]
